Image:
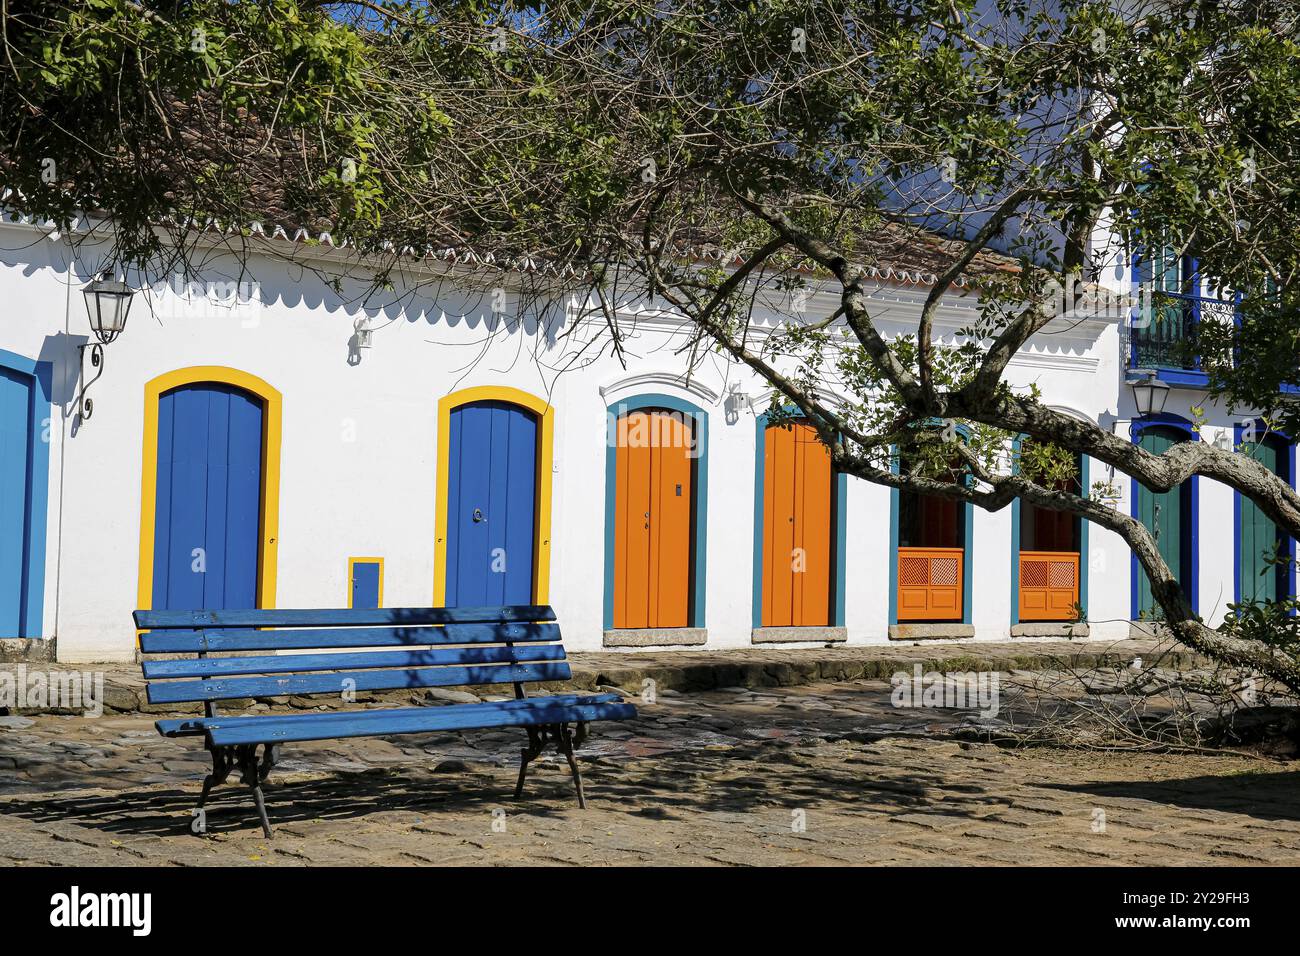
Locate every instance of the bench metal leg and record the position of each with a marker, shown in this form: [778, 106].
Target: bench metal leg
[208, 781]
[222, 763]
[261, 810]
[565, 745]
[536, 741]
[251, 771]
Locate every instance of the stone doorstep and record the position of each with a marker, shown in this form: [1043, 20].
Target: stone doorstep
[695, 671]
[1067, 631]
[20, 650]
[655, 637]
[790, 635]
[930, 632]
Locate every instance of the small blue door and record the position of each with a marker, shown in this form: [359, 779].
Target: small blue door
[491, 505]
[15, 499]
[365, 584]
[206, 527]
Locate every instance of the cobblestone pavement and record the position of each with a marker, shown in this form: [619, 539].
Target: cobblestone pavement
[816, 774]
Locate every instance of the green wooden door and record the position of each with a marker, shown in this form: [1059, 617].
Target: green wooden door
[1257, 580]
[1163, 514]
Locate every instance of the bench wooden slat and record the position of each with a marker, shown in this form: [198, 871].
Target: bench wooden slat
[251, 639]
[338, 617]
[291, 663]
[193, 726]
[416, 720]
[167, 692]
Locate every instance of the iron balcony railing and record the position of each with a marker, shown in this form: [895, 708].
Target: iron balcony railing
[1164, 329]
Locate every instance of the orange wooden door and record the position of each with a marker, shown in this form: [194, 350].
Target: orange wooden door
[652, 532]
[796, 528]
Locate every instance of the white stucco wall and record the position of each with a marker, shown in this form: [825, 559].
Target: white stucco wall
[359, 446]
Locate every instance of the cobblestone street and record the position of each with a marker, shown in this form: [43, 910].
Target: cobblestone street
[817, 774]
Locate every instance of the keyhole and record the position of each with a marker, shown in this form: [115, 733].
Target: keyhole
[478, 515]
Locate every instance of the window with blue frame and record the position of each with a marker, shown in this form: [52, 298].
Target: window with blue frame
[1174, 301]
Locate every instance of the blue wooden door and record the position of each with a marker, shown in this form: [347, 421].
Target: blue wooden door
[365, 584]
[491, 505]
[206, 528]
[15, 497]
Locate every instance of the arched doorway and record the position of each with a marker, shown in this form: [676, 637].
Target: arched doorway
[210, 491]
[1260, 578]
[492, 542]
[798, 529]
[656, 493]
[24, 488]
[1169, 515]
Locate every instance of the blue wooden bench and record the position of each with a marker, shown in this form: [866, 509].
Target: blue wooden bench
[351, 651]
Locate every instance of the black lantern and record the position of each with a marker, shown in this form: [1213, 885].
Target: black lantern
[107, 301]
[1149, 394]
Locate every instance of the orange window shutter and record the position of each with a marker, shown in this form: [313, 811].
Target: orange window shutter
[1049, 585]
[930, 584]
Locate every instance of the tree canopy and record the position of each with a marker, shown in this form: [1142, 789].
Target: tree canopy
[801, 141]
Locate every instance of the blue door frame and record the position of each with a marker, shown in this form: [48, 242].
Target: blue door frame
[24, 482]
[1192, 587]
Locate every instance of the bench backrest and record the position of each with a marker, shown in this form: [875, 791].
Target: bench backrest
[359, 649]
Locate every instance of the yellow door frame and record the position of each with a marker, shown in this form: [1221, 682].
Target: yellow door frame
[545, 413]
[269, 520]
[352, 563]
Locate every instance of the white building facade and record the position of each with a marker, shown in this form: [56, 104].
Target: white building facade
[244, 450]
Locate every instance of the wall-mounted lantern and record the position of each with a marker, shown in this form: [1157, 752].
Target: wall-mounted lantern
[1149, 393]
[365, 332]
[108, 303]
[735, 402]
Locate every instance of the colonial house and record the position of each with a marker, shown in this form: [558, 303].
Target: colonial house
[269, 435]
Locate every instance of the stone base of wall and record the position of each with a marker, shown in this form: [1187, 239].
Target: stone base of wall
[790, 635]
[1148, 630]
[1046, 629]
[655, 637]
[26, 650]
[930, 632]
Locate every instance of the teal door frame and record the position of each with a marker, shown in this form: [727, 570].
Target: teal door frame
[699, 499]
[1015, 537]
[968, 540]
[839, 505]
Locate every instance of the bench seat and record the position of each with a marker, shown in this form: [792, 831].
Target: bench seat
[337, 653]
[535, 710]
